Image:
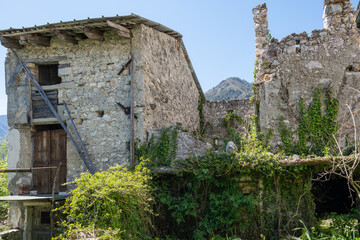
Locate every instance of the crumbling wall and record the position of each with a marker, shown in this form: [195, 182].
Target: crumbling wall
[170, 95]
[90, 85]
[294, 67]
[215, 113]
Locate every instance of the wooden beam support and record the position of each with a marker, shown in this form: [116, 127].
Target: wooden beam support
[122, 31]
[23, 40]
[38, 40]
[65, 36]
[11, 43]
[93, 33]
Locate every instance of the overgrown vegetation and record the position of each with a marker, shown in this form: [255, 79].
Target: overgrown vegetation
[316, 130]
[216, 196]
[4, 191]
[220, 195]
[160, 150]
[335, 227]
[113, 204]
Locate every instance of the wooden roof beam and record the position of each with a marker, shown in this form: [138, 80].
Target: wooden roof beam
[121, 31]
[65, 36]
[35, 39]
[11, 43]
[93, 33]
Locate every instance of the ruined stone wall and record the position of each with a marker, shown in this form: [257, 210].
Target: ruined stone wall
[170, 95]
[90, 85]
[215, 113]
[294, 67]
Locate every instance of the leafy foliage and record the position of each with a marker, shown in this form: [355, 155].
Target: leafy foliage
[315, 134]
[3, 178]
[113, 204]
[160, 151]
[216, 195]
[339, 227]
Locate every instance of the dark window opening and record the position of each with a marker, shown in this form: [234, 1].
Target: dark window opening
[39, 128]
[45, 218]
[298, 49]
[332, 196]
[48, 74]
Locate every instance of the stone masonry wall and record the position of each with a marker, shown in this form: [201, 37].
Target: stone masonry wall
[215, 113]
[90, 85]
[294, 67]
[170, 95]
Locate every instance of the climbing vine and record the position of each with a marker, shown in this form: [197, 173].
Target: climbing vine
[317, 127]
[160, 150]
[201, 103]
[227, 195]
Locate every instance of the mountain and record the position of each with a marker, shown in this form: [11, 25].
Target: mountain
[3, 126]
[230, 88]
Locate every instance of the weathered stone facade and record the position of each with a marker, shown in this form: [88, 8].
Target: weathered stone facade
[165, 94]
[296, 66]
[215, 113]
[169, 98]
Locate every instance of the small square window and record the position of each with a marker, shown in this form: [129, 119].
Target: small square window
[48, 74]
[45, 218]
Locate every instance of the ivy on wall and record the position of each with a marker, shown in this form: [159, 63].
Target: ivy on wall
[317, 127]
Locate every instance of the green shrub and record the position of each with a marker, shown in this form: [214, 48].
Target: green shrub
[4, 191]
[113, 204]
[339, 227]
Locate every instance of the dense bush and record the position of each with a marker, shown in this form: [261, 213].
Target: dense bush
[335, 227]
[113, 204]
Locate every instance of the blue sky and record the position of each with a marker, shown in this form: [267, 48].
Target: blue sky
[218, 35]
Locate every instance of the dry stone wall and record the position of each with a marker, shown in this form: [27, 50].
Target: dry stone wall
[89, 86]
[215, 113]
[170, 95]
[294, 67]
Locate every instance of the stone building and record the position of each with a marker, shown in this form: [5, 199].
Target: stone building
[295, 66]
[99, 68]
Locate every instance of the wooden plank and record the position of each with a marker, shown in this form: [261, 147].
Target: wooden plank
[35, 93]
[24, 169]
[121, 31]
[58, 155]
[11, 43]
[45, 60]
[41, 159]
[66, 36]
[93, 33]
[42, 112]
[38, 40]
[43, 103]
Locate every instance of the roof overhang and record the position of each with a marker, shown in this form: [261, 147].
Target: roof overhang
[77, 26]
[73, 31]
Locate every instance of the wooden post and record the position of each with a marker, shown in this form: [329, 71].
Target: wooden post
[52, 214]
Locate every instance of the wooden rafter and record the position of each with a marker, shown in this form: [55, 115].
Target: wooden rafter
[93, 33]
[65, 36]
[11, 43]
[121, 31]
[35, 39]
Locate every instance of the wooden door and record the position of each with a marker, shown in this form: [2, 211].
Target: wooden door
[49, 150]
